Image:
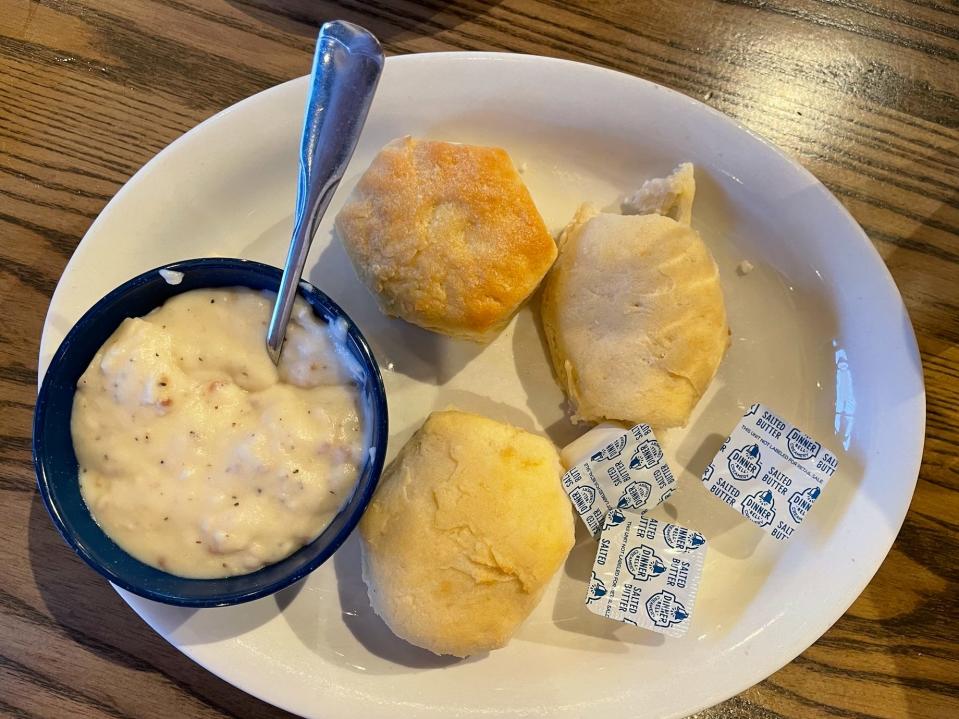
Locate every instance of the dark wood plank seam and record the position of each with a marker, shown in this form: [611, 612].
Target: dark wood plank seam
[860, 165]
[947, 368]
[925, 221]
[107, 134]
[28, 275]
[53, 186]
[18, 374]
[16, 404]
[939, 522]
[402, 22]
[123, 33]
[844, 639]
[913, 23]
[29, 614]
[13, 712]
[817, 705]
[64, 133]
[71, 153]
[822, 21]
[74, 82]
[406, 23]
[14, 485]
[50, 684]
[934, 6]
[256, 30]
[65, 168]
[62, 243]
[87, 215]
[16, 443]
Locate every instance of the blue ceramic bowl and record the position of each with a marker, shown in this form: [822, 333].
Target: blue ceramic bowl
[56, 462]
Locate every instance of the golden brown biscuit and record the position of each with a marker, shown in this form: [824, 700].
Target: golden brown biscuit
[634, 317]
[468, 525]
[446, 236]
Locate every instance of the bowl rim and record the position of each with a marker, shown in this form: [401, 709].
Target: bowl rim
[357, 504]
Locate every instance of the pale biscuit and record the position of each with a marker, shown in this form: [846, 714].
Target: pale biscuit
[468, 525]
[634, 317]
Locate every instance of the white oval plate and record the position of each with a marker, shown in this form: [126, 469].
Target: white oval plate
[819, 333]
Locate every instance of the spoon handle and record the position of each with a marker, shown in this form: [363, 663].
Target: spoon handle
[346, 68]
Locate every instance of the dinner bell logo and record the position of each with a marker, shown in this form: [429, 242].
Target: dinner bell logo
[646, 455]
[643, 563]
[681, 538]
[635, 495]
[597, 590]
[802, 446]
[665, 610]
[744, 463]
[801, 502]
[610, 451]
[613, 518]
[760, 508]
[583, 498]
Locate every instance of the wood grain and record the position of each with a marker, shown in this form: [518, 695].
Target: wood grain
[864, 94]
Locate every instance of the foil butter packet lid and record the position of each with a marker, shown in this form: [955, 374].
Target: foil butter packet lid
[646, 573]
[770, 471]
[626, 471]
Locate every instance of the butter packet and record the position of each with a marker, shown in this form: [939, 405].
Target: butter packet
[646, 573]
[770, 471]
[626, 471]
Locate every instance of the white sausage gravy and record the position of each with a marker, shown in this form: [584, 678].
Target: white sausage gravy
[200, 457]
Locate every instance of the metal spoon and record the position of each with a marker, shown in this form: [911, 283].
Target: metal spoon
[346, 68]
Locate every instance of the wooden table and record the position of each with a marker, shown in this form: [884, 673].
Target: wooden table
[864, 94]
